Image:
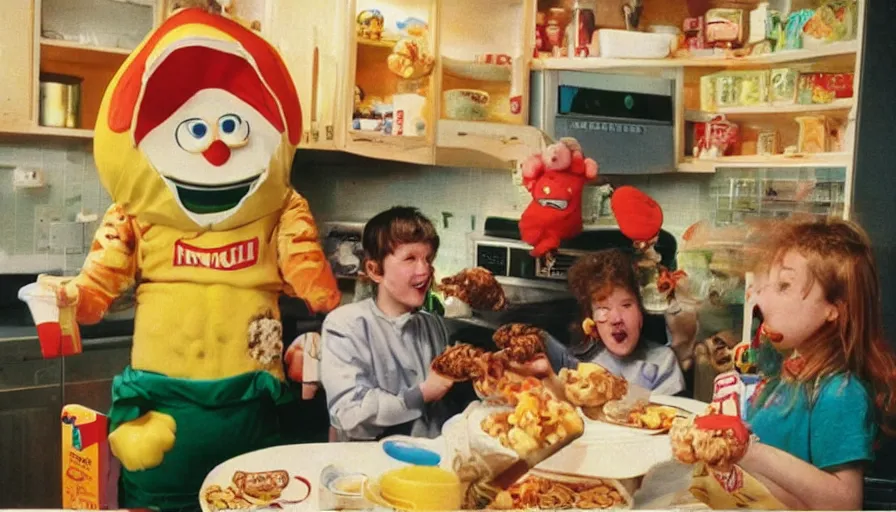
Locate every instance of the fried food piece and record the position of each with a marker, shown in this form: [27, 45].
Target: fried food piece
[263, 487]
[224, 499]
[592, 386]
[718, 448]
[521, 342]
[538, 421]
[460, 362]
[476, 287]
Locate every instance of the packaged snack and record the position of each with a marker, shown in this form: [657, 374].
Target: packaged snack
[817, 134]
[783, 86]
[752, 88]
[833, 21]
[86, 460]
[820, 88]
[725, 28]
[708, 93]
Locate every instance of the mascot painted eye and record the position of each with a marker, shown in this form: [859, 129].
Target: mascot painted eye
[193, 135]
[233, 130]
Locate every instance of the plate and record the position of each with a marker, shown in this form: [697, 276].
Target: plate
[652, 431]
[233, 489]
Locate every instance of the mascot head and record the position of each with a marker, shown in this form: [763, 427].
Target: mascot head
[198, 128]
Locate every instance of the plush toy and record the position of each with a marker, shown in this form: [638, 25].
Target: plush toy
[555, 178]
[640, 218]
[194, 142]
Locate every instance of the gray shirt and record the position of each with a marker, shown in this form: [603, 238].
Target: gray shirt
[371, 369]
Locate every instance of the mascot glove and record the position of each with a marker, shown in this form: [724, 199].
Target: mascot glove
[142, 443]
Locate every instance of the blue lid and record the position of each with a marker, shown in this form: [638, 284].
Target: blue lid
[412, 454]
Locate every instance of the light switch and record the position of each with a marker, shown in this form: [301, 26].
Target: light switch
[67, 237]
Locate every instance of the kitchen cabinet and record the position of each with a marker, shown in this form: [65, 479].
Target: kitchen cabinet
[354, 100]
[17, 97]
[81, 42]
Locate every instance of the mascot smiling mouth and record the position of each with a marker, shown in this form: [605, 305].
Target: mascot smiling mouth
[557, 204]
[201, 199]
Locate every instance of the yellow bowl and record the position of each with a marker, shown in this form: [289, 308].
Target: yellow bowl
[421, 488]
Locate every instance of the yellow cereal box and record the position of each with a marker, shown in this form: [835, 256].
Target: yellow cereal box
[85, 459]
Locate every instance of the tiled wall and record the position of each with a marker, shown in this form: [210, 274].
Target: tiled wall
[72, 186]
[338, 188]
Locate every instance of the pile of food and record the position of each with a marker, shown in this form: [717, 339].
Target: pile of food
[641, 415]
[491, 372]
[537, 421]
[536, 491]
[590, 386]
[718, 448]
[247, 490]
[476, 287]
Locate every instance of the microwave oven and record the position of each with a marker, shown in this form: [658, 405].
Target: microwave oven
[625, 122]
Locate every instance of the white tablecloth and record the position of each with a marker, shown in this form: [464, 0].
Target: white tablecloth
[605, 451]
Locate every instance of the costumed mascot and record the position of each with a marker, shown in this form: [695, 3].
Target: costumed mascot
[194, 142]
[555, 178]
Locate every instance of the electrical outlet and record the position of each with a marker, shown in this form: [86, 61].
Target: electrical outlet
[67, 237]
[44, 215]
[23, 177]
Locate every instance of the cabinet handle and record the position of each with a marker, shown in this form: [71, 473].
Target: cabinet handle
[330, 134]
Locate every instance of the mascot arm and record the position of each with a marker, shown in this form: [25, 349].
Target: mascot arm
[302, 262]
[108, 271]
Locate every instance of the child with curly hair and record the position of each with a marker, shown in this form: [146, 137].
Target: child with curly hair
[606, 287]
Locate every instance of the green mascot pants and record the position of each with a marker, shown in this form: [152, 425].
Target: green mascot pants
[216, 420]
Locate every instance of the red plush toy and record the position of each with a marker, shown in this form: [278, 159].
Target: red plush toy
[640, 218]
[555, 178]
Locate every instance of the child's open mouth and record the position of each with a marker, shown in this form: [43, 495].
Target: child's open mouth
[772, 336]
[619, 336]
[421, 286]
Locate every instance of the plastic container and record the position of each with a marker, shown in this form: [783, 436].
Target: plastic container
[421, 488]
[624, 44]
[670, 30]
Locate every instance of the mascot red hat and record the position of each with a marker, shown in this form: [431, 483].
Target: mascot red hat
[203, 72]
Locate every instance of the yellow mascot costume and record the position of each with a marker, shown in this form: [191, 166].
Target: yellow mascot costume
[194, 142]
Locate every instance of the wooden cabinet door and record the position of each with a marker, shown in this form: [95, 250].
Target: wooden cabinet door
[17, 92]
[308, 36]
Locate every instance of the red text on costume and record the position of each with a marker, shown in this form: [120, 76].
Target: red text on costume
[235, 256]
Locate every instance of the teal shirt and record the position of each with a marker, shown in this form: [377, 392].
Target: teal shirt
[836, 428]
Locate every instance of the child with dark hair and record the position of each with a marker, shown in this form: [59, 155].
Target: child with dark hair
[376, 355]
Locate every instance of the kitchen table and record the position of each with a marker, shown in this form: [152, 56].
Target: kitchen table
[303, 464]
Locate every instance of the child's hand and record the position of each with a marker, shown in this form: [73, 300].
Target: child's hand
[435, 387]
[295, 361]
[539, 367]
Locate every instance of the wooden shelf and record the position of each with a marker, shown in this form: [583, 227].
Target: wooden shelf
[378, 43]
[836, 105]
[693, 165]
[722, 61]
[76, 133]
[68, 51]
[46, 131]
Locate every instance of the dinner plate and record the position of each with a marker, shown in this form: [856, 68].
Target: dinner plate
[297, 489]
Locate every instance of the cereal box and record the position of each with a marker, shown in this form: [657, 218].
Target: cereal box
[86, 461]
